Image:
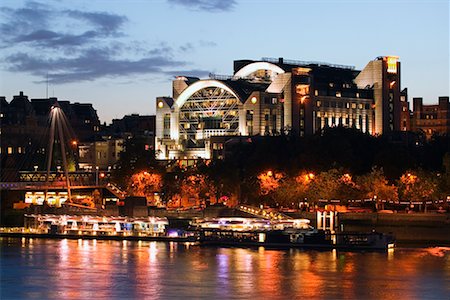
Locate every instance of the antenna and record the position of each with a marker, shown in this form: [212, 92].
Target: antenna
[46, 94]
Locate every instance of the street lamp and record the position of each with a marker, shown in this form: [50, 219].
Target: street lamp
[96, 175]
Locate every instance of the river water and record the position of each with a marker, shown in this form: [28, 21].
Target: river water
[93, 269]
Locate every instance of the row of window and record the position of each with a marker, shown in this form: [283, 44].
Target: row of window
[207, 114]
[360, 122]
[339, 94]
[12, 150]
[338, 104]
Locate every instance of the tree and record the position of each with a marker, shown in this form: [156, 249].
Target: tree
[137, 156]
[292, 190]
[374, 185]
[145, 184]
[197, 187]
[325, 186]
[419, 186]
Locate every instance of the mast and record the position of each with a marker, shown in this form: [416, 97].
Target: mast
[56, 129]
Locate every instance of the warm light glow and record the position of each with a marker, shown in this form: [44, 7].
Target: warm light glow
[160, 104]
[256, 66]
[346, 178]
[254, 100]
[199, 85]
[392, 64]
[269, 173]
[74, 143]
[392, 84]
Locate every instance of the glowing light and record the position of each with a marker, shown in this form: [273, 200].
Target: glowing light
[262, 237]
[160, 104]
[74, 143]
[254, 100]
[253, 67]
[392, 64]
[199, 85]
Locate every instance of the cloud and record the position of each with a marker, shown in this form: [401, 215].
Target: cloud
[105, 22]
[23, 20]
[73, 46]
[49, 39]
[206, 5]
[33, 25]
[204, 43]
[186, 47]
[95, 63]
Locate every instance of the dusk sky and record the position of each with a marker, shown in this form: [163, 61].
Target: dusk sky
[120, 55]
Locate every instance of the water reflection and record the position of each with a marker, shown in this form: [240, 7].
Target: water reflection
[80, 269]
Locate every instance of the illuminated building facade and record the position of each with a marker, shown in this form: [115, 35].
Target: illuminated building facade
[272, 96]
[431, 119]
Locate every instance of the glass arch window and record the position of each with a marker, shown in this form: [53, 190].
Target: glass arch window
[211, 111]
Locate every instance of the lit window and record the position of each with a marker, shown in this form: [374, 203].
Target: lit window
[360, 106]
[10, 150]
[318, 103]
[353, 105]
[87, 121]
[316, 92]
[338, 94]
[357, 95]
[392, 64]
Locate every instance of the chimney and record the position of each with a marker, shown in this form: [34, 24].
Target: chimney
[280, 60]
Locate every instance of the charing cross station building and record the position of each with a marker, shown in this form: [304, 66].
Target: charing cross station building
[275, 96]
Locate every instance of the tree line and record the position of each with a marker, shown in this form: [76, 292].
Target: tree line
[337, 163]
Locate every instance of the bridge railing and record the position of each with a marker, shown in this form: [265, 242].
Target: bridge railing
[264, 213]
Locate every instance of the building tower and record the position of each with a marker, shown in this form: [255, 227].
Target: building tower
[383, 76]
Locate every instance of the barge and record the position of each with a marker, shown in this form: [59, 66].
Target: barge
[294, 233]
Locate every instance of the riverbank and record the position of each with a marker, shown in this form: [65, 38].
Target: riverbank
[180, 239]
[427, 229]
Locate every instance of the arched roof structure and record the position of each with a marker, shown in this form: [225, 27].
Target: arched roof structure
[256, 66]
[199, 85]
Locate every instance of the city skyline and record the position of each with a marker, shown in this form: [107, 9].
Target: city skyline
[114, 54]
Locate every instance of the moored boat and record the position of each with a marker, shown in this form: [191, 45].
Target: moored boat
[292, 233]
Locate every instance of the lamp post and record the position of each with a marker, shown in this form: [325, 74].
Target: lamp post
[96, 175]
